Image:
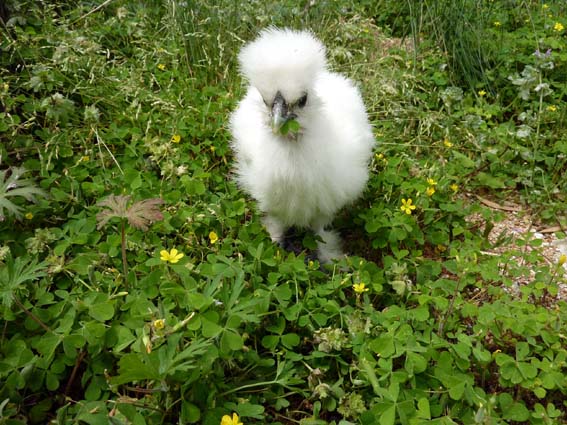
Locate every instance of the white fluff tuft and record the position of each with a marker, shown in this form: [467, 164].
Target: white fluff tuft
[301, 181]
[292, 58]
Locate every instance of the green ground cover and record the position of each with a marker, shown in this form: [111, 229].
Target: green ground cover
[138, 286]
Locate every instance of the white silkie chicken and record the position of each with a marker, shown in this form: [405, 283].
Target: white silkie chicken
[301, 136]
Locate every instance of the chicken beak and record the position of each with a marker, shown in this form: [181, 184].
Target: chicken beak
[279, 114]
[278, 118]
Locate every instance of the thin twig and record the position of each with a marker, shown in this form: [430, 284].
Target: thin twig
[78, 362]
[100, 141]
[32, 316]
[441, 329]
[96, 9]
[123, 247]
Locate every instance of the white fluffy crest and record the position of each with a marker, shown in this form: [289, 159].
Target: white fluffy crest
[290, 58]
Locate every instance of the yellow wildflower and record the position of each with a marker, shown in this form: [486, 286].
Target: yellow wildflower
[430, 191]
[172, 256]
[161, 66]
[159, 324]
[497, 23]
[545, 6]
[447, 143]
[481, 93]
[227, 420]
[454, 187]
[379, 156]
[28, 216]
[85, 158]
[176, 138]
[213, 237]
[431, 182]
[562, 259]
[552, 108]
[359, 288]
[407, 206]
[558, 27]
[213, 149]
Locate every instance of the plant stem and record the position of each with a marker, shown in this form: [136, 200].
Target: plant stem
[123, 246]
[78, 362]
[441, 330]
[31, 315]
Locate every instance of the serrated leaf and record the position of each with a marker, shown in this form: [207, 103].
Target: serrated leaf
[139, 215]
[248, 410]
[14, 273]
[132, 368]
[13, 185]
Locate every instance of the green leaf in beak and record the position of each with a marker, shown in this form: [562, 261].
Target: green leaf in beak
[290, 126]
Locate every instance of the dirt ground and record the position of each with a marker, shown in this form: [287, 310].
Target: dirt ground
[519, 223]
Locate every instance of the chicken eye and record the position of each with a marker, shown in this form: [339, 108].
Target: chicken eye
[302, 101]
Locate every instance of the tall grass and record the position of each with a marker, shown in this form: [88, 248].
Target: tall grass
[459, 28]
[208, 32]
[212, 33]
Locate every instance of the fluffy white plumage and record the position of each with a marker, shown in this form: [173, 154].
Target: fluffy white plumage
[299, 179]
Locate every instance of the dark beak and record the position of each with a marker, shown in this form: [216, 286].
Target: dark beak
[280, 113]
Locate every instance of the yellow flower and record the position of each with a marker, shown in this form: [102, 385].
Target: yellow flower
[359, 288]
[176, 138]
[431, 182]
[85, 158]
[407, 206]
[454, 187]
[213, 237]
[558, 27]
[481, 93]
[552, 108]
[227, 420]
[161, 66]
[562, 259]
[430, 191]
[213, 149]
[447, 143]
[159, 324]
[379, 156]
[545, 6]
[172, 256]
[28, 216]
[497, 23]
